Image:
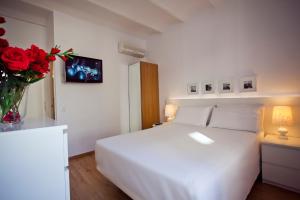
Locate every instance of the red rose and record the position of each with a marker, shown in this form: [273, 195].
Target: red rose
[15, 59]
[41, 66]
[32, 53]
[55, 51]
[3, 44]
[38, 59]
[51, 58]
[2, 31]
[11, 117]
[64, 58]
[41, 75]
[2, 20]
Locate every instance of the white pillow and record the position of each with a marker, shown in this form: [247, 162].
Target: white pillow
[194, 115]
[236, 117]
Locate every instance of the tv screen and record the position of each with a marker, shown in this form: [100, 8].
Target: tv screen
[84, 70]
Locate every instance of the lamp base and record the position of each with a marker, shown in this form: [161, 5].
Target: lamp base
[169, 119]
[283, 137]
[283, 133]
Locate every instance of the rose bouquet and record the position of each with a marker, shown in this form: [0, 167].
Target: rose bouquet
[18, 69]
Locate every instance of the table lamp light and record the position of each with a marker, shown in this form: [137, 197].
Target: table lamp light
[282, 117]
[170, 111]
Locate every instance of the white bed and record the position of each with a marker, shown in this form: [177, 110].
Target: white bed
[167, 162]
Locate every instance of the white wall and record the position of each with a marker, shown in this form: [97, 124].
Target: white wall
[22, 34]
[92, 111]
[237, 38]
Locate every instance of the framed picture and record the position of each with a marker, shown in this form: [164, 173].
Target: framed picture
[248, 84]
[225, 86]
[208, 87]
[193, 88]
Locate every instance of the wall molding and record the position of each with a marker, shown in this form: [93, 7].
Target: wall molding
[267, 100]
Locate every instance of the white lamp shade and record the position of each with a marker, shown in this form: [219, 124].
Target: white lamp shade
[170, 110]
[282, 115]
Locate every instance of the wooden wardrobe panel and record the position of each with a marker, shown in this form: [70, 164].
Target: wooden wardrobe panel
[149, 95]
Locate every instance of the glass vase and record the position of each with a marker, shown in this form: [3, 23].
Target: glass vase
[13, 105]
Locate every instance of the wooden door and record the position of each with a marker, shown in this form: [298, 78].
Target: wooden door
[149, 94]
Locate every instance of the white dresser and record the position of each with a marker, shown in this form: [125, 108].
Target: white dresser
[34, 162]
[281, 162]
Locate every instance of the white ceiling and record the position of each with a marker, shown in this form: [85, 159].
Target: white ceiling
[24, 11]
[138, 17]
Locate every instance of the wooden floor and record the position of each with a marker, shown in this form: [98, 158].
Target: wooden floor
[88, 184]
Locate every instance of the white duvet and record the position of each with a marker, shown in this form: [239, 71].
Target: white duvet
[178, 161]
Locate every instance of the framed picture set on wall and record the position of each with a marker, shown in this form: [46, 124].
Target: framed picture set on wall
[226, 86]
[208, 87]
[193, 88]
[248, 84]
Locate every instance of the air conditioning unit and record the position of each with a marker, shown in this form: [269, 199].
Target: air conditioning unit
[130, 50]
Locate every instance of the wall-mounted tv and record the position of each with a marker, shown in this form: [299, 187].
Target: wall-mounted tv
[84, 70]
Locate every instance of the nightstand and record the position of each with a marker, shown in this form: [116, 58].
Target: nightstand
[281, 162]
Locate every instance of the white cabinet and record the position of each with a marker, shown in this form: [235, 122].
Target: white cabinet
[281, 162]
[34, 162]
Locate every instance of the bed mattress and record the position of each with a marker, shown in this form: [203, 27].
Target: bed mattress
[178, 161]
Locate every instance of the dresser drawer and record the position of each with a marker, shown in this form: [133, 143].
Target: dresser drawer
[281, 175]
[287, 157]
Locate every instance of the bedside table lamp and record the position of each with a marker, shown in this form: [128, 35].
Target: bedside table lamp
[170, 111]
[282, 116]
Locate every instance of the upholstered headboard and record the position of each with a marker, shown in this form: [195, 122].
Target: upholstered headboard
[266, 101]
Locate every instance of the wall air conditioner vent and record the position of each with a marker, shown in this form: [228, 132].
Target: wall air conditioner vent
[130, 50]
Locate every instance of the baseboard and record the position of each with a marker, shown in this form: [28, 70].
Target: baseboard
[281, 186]
[82, 155]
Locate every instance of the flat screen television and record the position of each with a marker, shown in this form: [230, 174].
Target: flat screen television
[84, 70]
